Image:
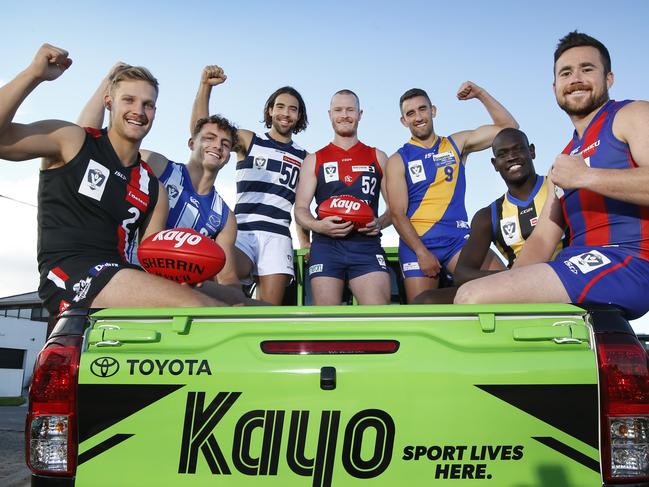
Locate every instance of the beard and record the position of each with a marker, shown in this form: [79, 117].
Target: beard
[284, 131]
[422, 133]
[584, 108]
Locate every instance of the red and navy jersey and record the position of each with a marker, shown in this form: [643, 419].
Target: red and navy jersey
[355, 172]
[93, 205]
[596, 220]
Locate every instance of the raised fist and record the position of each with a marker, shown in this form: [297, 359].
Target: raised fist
[213, 75]
[468, 90]
[49, 63]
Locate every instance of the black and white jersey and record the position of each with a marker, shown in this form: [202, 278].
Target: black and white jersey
[266, 183]
[93, 206]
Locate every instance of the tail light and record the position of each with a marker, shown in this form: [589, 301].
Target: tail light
[624, 389]
[328, 347]
[51, 431]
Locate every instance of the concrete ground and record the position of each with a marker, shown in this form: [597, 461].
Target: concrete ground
[13, 470]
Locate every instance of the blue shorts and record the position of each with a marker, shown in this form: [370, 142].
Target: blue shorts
[346, 259]
[442, 248]
[604, 275]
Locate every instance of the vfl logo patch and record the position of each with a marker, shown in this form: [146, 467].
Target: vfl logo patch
[510, 230]
[94, 180]
[173, 191]
[104, 367]
[589, 261]
[260, 162]
[331, 171]
[416, 171]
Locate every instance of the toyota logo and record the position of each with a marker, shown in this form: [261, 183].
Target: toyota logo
[104, 366]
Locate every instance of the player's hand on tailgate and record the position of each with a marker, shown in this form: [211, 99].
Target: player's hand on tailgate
[334, 226]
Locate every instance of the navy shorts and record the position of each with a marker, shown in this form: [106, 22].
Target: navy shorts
[74, 282]
[604, 275]
[442, 248]
[346, 259]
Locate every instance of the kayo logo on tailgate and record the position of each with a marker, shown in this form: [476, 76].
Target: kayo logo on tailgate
[262, 438]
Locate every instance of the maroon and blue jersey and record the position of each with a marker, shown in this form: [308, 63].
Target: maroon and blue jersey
[595, 220]
[354, 172]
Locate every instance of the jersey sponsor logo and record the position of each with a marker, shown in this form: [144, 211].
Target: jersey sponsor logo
[526, 210]
[410, 266]
[444, 157]
[590, 261]
[287, 158]
[462, 224]
[168, 367]
[261, 438]
[331, 171]
[81, 288]
[137, 198]
[510, 230]
[194, 201]
[362, 169]
[104, 367]
[315, 268]
[380, 259]
[119, 174]
[260, 162]
[347, 205]
[100, 267]
[590, 150]
[94, 180]
[416, 171]
[179, 237]
[534, 221]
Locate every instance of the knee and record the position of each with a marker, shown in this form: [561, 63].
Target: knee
[467, 294]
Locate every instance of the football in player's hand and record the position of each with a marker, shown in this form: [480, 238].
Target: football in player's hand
[347, 207]
[182, 255]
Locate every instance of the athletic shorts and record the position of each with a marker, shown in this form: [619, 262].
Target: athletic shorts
[74, 282]
[269, 253]
[345, 259]
[604, 275]
[442, 248]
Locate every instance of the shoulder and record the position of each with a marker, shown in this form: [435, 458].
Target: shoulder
[482, 218]
[631, 119]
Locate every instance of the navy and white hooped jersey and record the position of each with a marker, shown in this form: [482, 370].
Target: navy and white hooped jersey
[205, 213]
[266, 183]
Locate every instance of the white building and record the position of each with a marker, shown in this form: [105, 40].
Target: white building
[23, 331]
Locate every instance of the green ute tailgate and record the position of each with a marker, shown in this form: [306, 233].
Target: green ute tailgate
[498, 395]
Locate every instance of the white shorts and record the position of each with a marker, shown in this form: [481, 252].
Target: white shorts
[269, 253]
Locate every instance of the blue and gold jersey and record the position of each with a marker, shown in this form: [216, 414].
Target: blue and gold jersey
[436, 188]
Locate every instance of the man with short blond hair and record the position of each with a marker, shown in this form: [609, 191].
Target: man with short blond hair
[95, 196]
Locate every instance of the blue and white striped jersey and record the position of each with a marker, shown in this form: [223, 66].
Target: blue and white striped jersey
[266, 183]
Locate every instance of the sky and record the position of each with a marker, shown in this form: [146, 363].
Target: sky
[379, 49]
